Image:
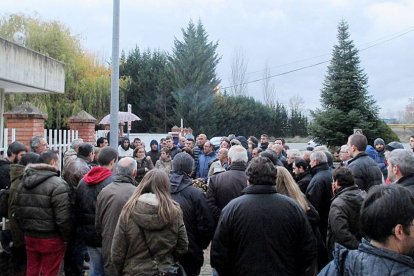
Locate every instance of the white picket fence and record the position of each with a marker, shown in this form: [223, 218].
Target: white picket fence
[59, 140]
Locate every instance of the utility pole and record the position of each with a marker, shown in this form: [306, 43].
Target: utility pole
[114, 127]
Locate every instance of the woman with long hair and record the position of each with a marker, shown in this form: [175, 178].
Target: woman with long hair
[144, 163]
[150, 233]
[286, 185]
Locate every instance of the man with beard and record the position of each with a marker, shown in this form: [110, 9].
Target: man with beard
[387, 221]
[14, 153]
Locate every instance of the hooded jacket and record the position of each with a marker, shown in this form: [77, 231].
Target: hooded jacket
[343, 221]
[129, 252]
[368, 260]
[42, 205]
[198, 220]
[85, 203]
[16, 175]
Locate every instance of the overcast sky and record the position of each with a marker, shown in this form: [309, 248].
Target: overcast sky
[285, 34]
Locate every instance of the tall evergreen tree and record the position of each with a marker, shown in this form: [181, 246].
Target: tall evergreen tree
[345, 101]
[193, 65]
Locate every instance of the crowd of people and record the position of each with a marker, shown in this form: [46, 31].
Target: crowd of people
[263, 208]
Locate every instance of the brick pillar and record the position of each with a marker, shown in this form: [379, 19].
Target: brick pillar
[28, 122]
[84, 123]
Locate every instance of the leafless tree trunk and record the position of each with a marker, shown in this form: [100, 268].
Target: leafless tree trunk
[238, 74]
[269, 89]
[296, 103]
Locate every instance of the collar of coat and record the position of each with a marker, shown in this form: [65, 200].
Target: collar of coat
[260, 189]
[41, 166]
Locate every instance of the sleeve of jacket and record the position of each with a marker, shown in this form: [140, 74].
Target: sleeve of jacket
[314, 193]
[211, 199]
[98, 215]
[182, 242]
[119, 246]
[340, 227]
[149, 163]
[220, 246]
[358, 175]
[62, 209]
[205, 221]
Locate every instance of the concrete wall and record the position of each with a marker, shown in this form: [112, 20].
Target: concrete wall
[24, 70]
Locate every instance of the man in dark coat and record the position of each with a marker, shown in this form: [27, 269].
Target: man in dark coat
[364, 169]
[85, 205]
[109, 204]
[319, 191]
[343, 221]
[154, 153]
[302, 174]
[43, 213]
[387, 219]
[15, 151]
[401, 168]
[224, 187]
[198, 219]
[262, 232]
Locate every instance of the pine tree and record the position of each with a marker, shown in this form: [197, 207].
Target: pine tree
[193, 73]
[345, 101]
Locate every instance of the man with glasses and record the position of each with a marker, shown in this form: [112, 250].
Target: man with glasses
[38, 144]
[387, 223]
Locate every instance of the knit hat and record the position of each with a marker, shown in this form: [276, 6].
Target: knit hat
[183, 162]
[153, 142]
[394, 145]
[379, 141]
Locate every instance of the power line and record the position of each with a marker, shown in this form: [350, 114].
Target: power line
[380, 41]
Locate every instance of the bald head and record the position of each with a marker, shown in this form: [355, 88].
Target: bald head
[127, 166]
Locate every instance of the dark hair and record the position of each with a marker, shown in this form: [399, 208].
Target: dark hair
[137, 139]
[134, 154]
[261, 171]
[29, 158]
[359, 141]
[271, 155]
[301, 163]
[106, 155]
[384, 208]
[344, 177]
[100, 141]
[48, 156]
[188, 150]
[85, 149]
[15, 148]
[281, 139]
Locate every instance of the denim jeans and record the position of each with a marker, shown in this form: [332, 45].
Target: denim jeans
[96, 264]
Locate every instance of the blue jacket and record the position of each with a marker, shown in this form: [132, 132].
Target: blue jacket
[203, 164]
[368, 260]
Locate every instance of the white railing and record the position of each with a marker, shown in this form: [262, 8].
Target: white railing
[59, 140]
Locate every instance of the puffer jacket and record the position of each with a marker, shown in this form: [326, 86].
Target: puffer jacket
[16, 175]
[4, 173]
[343, 221]
[42, 204]
[85, 203]
[303, 181]
[129, 252]
[142, 164]
[365, 171]
[166, 165]
[368, 260]
[198, 220]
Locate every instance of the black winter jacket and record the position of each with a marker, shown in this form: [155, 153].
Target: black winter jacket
[42, 204]
[407, 182]
[319, 193]
[224, 187]
[5, 174]
[368, 260]
[303, 181]
[365, 171]
[85, 203]
[343, 222]
[198, 220]
[263, 233]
